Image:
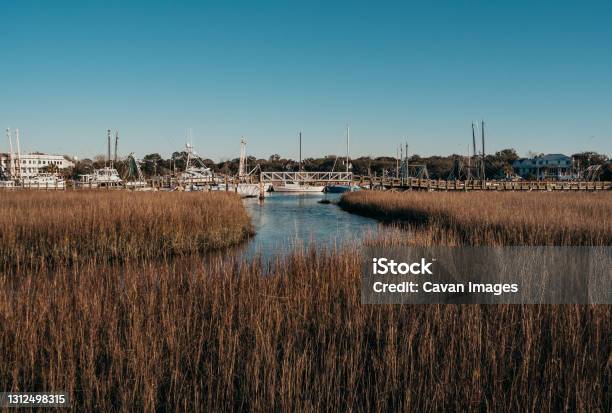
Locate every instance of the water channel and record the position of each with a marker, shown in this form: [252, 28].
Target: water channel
[284, 221]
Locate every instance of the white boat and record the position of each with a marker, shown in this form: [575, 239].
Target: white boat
[298, 188]
[106, 177]
[43, 181]
[195, 173]
[245, 190]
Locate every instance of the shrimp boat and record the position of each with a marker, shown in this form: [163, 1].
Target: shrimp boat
[106, 177]
[135, 179]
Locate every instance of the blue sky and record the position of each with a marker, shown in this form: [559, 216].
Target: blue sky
[538, 73]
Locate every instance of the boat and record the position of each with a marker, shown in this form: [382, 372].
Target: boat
[195, 173]
[106, 177]
[340, 189]
[246, 185]
[245, 190]
[135, 179]
[43, 181]
[298, 187]
[291, 187]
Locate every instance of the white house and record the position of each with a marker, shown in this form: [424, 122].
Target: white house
[33, 163]
[554, 165]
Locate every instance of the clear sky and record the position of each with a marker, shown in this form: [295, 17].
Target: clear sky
[539, 74]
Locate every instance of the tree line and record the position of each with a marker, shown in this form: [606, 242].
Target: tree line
[497, 165]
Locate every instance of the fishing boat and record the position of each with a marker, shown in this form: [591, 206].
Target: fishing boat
[106, 177]
[135, 179]
[196, 173]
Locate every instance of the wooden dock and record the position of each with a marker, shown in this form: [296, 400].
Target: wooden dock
[417, 184]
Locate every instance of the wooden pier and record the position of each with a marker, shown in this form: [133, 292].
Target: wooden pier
[408, 184]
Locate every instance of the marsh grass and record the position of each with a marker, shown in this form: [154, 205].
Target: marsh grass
[216, 333]
[483, 218]
[40, 227]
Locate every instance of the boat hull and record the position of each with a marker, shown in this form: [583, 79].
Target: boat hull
[340, 189]
[299, 189]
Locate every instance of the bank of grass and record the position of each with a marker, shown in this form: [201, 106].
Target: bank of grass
[38, 226]
[489, 218]
[219, 335]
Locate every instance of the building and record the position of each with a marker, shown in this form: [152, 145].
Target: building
[553, 165]
[33, 163]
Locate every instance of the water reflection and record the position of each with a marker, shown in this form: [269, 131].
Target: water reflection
[284, 221]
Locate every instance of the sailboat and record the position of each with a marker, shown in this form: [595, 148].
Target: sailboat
[341, 188]
[298, 186]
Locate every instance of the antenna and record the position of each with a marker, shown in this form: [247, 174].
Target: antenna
[300, 164]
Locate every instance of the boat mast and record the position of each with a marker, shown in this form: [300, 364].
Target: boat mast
[474, 146]
[483, 149]
[348, 137]
[116, 144]
[18, 153]
[11, 160]
[108, 138]
[242, 164]
[300, 164]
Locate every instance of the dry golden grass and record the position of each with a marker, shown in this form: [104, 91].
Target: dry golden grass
[64, 227]
[217, 334]
[482, 218]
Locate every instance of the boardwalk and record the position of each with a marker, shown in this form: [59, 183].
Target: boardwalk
[478, 185]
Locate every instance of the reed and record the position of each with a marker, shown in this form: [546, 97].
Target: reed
[511, 218]
[216, 333]
[222, 335]
[116, 225]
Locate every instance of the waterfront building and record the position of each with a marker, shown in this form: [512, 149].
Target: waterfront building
[33, 164]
